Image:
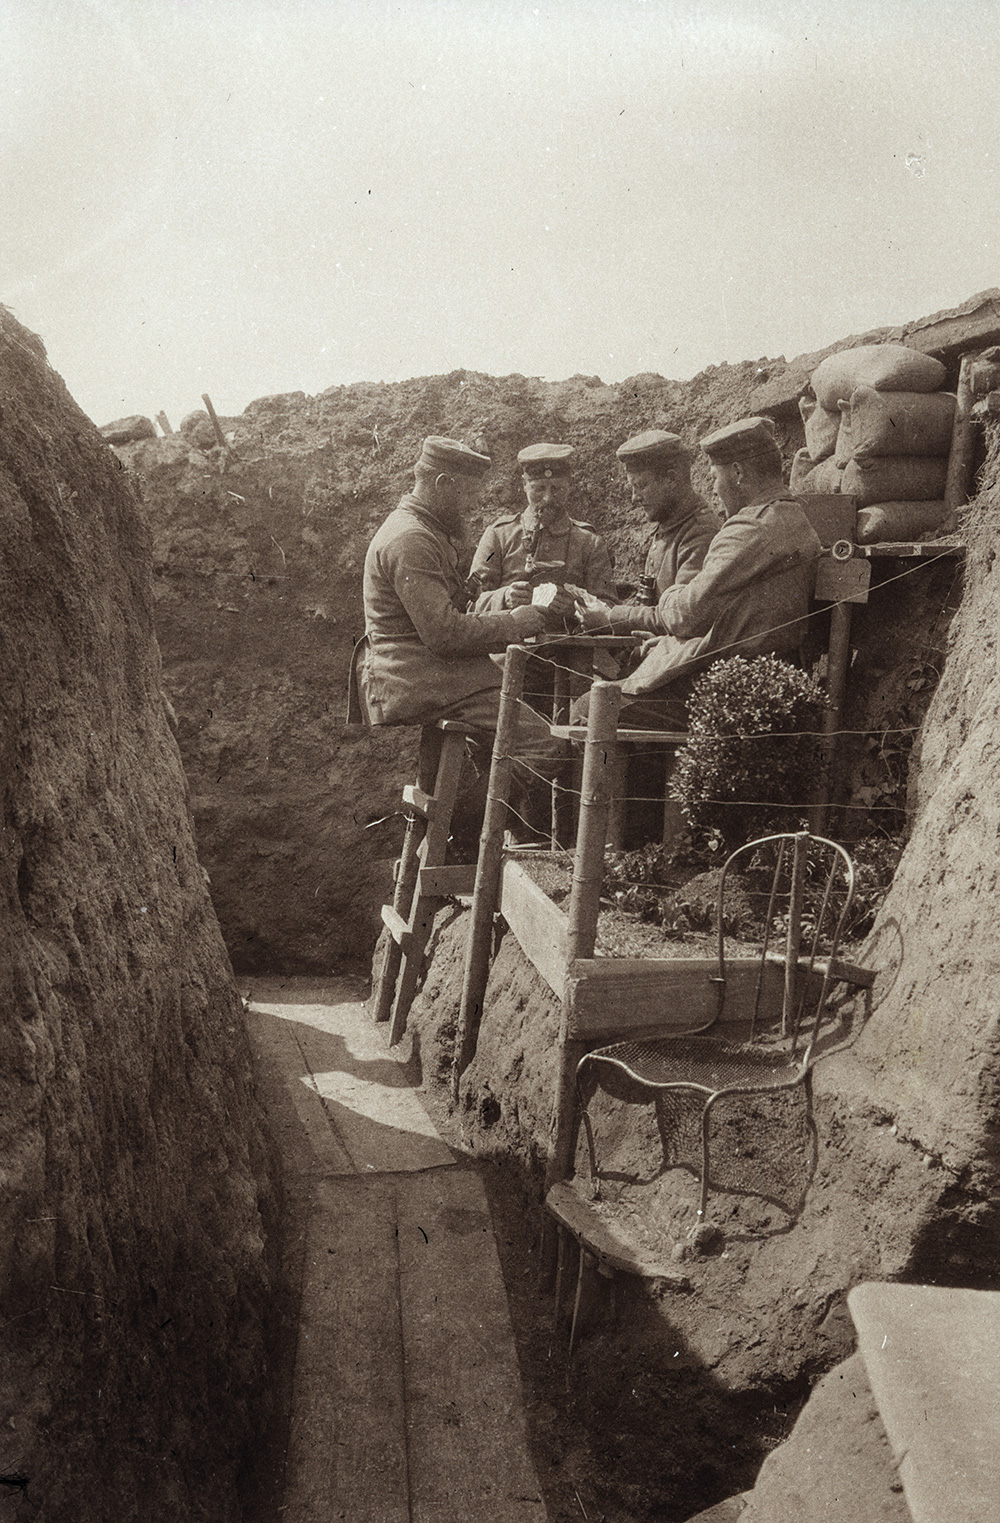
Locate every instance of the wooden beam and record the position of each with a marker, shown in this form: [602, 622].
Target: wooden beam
[447, 882]
[614, 998]
[418, 800]
[486, 888]
[539, 925]
[398, 928]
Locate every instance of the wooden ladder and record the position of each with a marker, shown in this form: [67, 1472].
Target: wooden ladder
[423, 879]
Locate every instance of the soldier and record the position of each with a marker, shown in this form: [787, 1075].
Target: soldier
[658, 471]
[543, 535]
[751, 596]
[429, 654]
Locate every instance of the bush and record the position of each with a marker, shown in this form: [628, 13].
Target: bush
[751, 759]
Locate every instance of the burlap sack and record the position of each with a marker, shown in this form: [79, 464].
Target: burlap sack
[895, 478]
[895, 423]
[808, 477]
[898, 520]
[886, 367]
[821, 428]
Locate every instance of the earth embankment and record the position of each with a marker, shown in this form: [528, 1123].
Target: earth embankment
[138, 1197]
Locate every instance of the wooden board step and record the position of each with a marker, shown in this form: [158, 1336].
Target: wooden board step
[608, 1244]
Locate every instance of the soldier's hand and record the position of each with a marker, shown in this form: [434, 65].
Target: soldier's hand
[562, 606]
[529, 620]
[516, 594]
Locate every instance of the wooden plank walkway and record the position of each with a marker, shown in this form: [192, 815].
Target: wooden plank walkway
[407, 1403]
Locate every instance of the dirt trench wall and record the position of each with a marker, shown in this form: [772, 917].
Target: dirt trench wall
[135, 1175]
[934, 1052]
[258, 559]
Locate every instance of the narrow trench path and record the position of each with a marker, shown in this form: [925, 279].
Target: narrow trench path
[405, 1402]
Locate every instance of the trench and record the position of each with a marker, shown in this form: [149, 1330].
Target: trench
[629, 1428]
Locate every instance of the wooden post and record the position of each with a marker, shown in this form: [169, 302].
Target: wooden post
[838, 655]
[585, 901]
[489, 865]
[164, 422]
[406, 873]
[215, 422]
[963, 445]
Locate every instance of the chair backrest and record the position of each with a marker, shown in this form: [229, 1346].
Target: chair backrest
[357, 707]
[800, 887]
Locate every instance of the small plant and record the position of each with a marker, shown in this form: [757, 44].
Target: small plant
[750, 762]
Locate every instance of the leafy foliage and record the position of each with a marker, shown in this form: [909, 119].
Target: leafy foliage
[750, 762]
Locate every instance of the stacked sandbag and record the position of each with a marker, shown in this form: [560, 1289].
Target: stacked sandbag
[892, 442]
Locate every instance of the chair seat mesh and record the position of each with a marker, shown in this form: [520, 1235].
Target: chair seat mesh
[708, 1063]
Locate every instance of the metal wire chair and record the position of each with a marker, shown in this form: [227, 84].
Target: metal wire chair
[737, 1055]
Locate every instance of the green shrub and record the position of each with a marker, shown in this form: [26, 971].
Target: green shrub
[751, 760]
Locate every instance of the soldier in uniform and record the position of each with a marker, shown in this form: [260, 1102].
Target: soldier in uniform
[658, 472]
[542, 534]
[751, 596]
[428, 654]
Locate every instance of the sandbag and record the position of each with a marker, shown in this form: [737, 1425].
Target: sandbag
[886, 367]
[808, 477]
[894, 478]
[895, 423]
[898, 520]
[821, 428]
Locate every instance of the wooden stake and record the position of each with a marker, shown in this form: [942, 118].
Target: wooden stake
[584, 904]
[838, 655]
[215, 422]
[489, 866]
[164, 423]
[406, 873]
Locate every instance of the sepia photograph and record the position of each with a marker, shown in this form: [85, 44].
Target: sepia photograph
[501, 790]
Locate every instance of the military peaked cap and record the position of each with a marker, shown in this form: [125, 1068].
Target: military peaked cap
[652, 448]
[451, 457]
[546, 459]
[740, 441]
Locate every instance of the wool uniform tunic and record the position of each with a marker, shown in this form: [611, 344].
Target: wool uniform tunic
[427, 650]
[750, 598]
[675, 555]
[501, 558]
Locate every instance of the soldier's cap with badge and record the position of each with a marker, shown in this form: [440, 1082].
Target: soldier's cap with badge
[740, 441]
[450, 457]
[546, 459]
[652, 449]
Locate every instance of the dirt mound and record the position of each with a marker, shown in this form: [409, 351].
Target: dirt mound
[134, 1270]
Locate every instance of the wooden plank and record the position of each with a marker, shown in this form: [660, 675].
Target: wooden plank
[612, 998]
[841, 971]
[398, 928]
[447, 882]
[933, 1360]
[418, 800]
[347, 1445]
[467, 1438]
[910, 550]
[539, 925]
[609, 1246]
[578, 732]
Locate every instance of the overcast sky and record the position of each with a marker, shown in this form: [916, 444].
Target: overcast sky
[277, 195]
